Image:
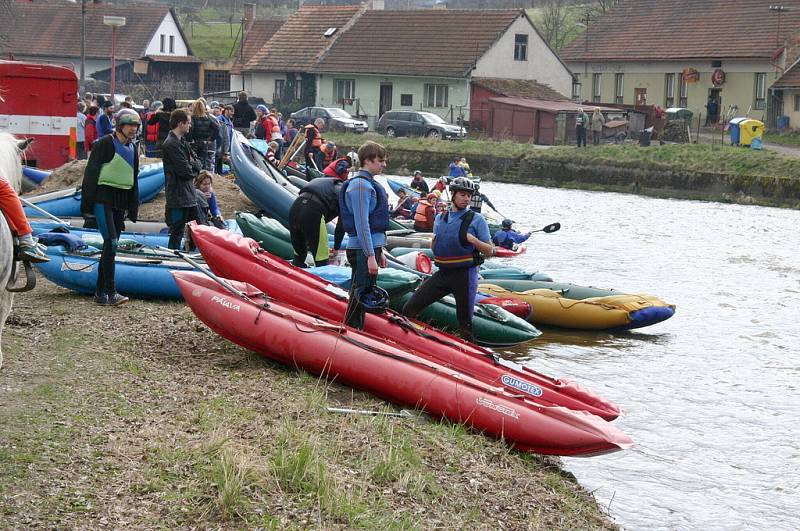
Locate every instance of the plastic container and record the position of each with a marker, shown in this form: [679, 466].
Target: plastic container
[756, 143]
[783, 122]
[750, 129]
[733, 127]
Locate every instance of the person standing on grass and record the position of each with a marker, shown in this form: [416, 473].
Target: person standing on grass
[180, 169]
[110, 192]
[581, 122]
[460, 239]
[364, 214]
[243, 114]
[597, 126]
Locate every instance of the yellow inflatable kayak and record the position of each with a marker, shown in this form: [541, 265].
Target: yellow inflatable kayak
[612, 312]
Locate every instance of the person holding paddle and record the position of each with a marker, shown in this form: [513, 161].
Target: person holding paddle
[460, 239]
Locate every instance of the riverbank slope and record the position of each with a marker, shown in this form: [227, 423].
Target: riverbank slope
[692, 171]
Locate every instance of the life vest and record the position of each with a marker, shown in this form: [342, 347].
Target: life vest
[317, 141]
[378, 217]
[118, 172]
[424, 216]
[501, 238]
[151, 131]
[451, 250]
[476, 201]
[326, 191]
[330, 169]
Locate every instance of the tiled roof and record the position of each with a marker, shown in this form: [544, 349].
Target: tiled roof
[663, 30]
[258, 34]
[790, 78]
[424, 42]
[518, 88]
[54, 29]
[300, 41]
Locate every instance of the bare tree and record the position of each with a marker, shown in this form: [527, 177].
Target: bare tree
[557, 23]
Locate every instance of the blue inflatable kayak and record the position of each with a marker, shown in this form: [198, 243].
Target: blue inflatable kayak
[68, 202]
[141, 278]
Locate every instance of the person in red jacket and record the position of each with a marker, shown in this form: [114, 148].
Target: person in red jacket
[339, 168]
[90, 130]
[151, 130]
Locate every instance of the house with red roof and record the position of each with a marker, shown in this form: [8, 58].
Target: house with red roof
[681, 53]
[151, 49]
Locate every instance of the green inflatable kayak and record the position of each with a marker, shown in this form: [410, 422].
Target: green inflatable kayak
[492, 325]
[572, 291]
[269, 233]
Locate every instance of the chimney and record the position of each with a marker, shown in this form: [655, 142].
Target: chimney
[378, 5]
[249, 13]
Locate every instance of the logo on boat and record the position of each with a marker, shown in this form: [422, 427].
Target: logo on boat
[525, 387]
[222, 301]
[500, 408]
[78, 267]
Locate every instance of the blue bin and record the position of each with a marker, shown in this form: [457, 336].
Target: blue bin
[733, 127]
[783, 122]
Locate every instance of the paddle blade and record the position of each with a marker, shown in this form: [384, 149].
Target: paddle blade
[552, 227]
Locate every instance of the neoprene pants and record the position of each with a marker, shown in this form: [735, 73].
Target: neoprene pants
[109, 222]
[308, 232]
[359, 278]
[12, 208]
[177, 218]
[461, 283]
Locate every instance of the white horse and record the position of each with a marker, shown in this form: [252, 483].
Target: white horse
[11, 171]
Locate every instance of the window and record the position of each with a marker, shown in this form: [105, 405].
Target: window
[797, 103]
[163, 43]
[669, 90]
[761, 91]
[344, 89]
[172, 44]
[298, 89]
[436, 95]
[619, 88]
[576, 88]
[597, 79]
[521, 47]
[280, 86]
[406, 100]
[716, 64]
[216, 80]
[684, 101]
[329, 32]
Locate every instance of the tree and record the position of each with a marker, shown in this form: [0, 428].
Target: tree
[557, 23]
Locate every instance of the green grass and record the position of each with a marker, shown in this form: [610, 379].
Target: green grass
[788, 138]
[213, 41]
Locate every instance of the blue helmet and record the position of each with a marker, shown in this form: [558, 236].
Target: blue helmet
[373, 299]
[507, 223]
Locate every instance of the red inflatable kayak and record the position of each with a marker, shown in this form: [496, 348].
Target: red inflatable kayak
[519, 308]
[360, 360]
[502, 252]
[232, 256]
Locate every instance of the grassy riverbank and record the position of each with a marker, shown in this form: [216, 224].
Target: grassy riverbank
[788, 138]
[678, 157]
[139, 417]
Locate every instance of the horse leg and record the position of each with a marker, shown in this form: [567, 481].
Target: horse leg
[6, 299]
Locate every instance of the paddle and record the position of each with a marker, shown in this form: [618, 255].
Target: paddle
[43, 211]
[549, 228]
[222, 282]
[490, 205]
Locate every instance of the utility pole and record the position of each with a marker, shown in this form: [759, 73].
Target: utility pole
[83, 40]
[778, 9]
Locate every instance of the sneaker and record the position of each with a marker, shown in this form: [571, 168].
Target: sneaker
[101, 298]
[115, 299]
[32, 253]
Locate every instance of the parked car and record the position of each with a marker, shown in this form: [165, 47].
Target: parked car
[336, 119]
[418, 123]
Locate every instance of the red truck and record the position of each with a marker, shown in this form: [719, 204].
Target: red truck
[39, 101]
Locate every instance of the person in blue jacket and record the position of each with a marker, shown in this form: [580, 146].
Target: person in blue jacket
[456, 169]
[508, 237]
[460, 240]
[104, 125]
[364, 213]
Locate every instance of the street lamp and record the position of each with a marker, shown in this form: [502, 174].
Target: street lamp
[779, 9]
[115, 22]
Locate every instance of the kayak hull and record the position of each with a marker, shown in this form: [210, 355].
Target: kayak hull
[362, 361]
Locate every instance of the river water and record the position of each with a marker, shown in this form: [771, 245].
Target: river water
[711, 395]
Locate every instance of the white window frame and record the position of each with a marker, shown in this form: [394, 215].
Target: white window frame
[619, 89]
[344, 89]
[684, 93]
[597, 88]
[163, 39]
[760, 89]
[669, 90]
[172, 44]
[436, 96]
[520, 48]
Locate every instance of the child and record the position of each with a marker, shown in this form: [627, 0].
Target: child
[404, 204]
[508, 237]
[208, 212]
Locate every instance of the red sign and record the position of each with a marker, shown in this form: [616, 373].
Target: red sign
[718, 77]
[690, 75]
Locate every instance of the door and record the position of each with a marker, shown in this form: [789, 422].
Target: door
[715, 95]
[385, 103]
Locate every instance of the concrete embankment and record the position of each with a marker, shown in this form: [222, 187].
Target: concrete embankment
[675, 183]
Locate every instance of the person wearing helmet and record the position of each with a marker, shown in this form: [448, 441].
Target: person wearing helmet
[508, 237]
[460, 239]
[364, 214]
[110, 193]
[425, 214]
[339, 168]
[418, 183]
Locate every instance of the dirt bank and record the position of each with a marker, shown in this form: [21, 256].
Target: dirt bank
[139, 417]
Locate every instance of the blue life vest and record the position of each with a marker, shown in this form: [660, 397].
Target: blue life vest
[378, 217]
[450, 247]
[502, 239]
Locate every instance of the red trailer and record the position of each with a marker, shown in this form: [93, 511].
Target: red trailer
[39, 101]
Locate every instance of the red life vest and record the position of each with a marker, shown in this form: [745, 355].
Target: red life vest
[317, 141]
[151, 132]
[330, 169]
[425, 215]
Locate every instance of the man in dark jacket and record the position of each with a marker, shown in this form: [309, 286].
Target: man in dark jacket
[317, 204]
[110, 191]
[243, 114]
[180, 169]
[161, 118]
[104, 125]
